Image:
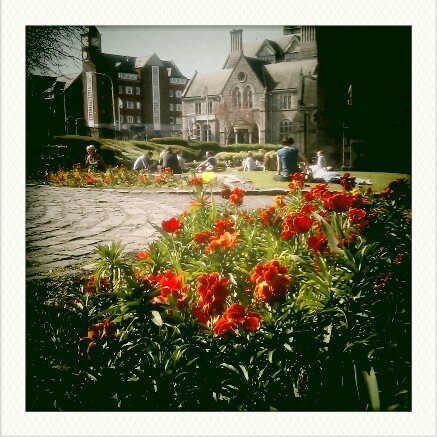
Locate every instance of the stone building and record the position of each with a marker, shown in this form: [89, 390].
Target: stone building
[139, 95]
[267, 90]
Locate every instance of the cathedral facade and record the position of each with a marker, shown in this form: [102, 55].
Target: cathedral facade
[267, 90]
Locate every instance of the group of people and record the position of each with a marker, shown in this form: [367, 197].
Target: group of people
[173, 160]
[289, 160]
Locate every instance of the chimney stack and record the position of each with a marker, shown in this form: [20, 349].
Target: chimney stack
[237, 40]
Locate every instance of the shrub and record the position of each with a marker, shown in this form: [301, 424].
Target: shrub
[171, 141]
[302, 306]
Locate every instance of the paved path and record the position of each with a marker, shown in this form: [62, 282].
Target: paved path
[64, 225]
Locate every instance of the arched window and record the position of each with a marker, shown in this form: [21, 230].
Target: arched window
[206, 132]
[236, 98]
[284, 128]
[248, 97]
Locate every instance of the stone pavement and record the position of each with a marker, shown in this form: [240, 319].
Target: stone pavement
[64, 225]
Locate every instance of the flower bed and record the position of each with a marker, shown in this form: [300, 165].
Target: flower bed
[302, 306]
[117, 177]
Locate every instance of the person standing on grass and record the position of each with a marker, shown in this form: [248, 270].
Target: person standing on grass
[287, 160]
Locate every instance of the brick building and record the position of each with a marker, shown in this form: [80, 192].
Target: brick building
[136, 95]
[267, 90]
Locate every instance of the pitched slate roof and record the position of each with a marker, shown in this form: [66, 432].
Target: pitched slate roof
[251, 48]
[285, 75]
[122, 62]
[213, 82]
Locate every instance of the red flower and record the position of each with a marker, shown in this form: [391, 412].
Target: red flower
[234, 317]
[237, 196]
[347, 181]
[171, 225]
[271, 281]
[296, 224]
[318, 243]
[225, 225]
[196, 182]
[200, 315]
[338, 202]
[222, 326]
[297, 181]
[202, 237]
[319, 191]
[213, 292]
[225, 192]
[142, 255]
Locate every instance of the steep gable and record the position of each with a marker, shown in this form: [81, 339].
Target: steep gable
[287, 75]
[212, 82]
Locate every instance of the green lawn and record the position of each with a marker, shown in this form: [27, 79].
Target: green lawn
[264, 179]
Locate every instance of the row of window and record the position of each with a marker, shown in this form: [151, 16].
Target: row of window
[178, 80]
[129, 90]
[242, 99]
[176, 93]
[129, 104]
[201, 108]
[177, 107]
[127, 76]
[175, 120]
[130, 119]
[288, 101]
[137, 119]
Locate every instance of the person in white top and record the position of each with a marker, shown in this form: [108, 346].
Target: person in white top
[249, 163]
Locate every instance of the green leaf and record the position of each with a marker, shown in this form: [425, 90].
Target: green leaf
[156, 319]
[245, 372]
[372, 388]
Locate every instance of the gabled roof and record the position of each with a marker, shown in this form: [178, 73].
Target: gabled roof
[257, 66]
[285, 75]
[122, 62]
[68, 79]
[142, 61]
[175, 72]
[252, 48]
[212, 82]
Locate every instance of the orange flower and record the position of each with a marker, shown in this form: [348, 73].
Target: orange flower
[279, 201]
[142, 255]
[271, 281]
[170, 284]
[225, 240]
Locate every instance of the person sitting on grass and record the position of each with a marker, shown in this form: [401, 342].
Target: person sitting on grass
[145, 162]
[287, 160]
[210, 163]
[94, 160]
[249, 164]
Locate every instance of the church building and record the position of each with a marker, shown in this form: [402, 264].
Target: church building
[267, 90]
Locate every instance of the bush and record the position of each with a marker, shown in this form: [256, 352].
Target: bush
[303, 306]
[170, 141]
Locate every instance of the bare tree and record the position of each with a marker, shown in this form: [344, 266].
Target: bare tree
[48, 48]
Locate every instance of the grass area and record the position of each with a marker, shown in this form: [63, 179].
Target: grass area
[264, 179]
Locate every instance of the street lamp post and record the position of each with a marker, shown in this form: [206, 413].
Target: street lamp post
[112, 94]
